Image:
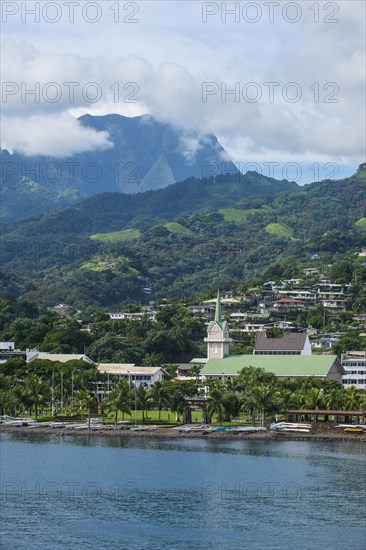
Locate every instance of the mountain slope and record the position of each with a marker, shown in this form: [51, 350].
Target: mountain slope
[115, 211]
[144, 154]
[85, 254]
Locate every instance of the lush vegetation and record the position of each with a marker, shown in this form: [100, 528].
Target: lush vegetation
[105, 251]
[50, 389]
[174, 336]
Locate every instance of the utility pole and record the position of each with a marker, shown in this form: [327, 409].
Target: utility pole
[62, 391]
[53, 393]
[135, 403]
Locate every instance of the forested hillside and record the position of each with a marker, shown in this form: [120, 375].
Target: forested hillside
[181, 240]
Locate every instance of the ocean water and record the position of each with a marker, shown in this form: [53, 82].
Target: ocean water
[136, 494]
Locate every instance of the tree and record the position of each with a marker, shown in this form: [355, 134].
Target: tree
[8, 402]
[176, 401]
[348, 342]
[35, 391]
[231, 404]
[298, 400]
[314, 399]
[85, 401]
[334, 399]
[259, 398]
[152, 359]
[341, 272]
[144, 400]
[283, 398]
[215, 403]
[351, 398]
[253, 376]
[120, 399]
[159, 394]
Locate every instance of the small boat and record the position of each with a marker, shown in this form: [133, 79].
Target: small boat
[352, 427]
[20, 422]
[249, 429]
[288, 427]
[57, 425]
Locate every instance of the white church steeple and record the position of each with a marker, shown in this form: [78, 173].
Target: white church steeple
[218, 340]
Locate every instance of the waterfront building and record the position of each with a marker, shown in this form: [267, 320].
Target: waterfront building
[287, 357]
[354, 364]
[138, 376]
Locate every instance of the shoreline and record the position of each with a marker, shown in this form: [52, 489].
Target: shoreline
[169, 433]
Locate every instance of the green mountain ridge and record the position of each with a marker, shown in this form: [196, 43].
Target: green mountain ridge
[142, 154]
[180, 247]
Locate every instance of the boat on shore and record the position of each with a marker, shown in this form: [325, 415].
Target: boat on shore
[249, 429]
[349, 428]
[290, 427]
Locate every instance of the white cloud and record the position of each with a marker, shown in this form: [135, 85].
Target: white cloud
[170, 52]
[56, 135]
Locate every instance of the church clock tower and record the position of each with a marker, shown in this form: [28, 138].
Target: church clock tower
[217, 335]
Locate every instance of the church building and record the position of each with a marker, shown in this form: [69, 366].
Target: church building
[218, 335]
[286, 357]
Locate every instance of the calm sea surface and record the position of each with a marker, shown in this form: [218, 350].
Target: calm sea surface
[136, 494]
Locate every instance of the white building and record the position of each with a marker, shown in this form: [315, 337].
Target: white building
[60, 357]
[132, 373]
[7, 346]
[354, 363]
[132, 316]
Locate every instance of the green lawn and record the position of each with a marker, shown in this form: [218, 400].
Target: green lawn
[238, 216]
[280, 230]
[115, 236]
[174, 227]
[361, 224]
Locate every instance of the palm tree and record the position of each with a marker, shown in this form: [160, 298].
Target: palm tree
[215, 403]
[120, 399]
[362, 401]
[35, 391]
[351, 398]
[8, 402]
[283, 399]
[232, 405]
[159, 394]
[144, 400]
[314, 399]
[85, 401]
[333, 399]
[259, 398]
[298, 400]
[152, 359]
[176, 402]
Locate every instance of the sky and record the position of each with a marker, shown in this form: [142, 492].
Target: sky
[281, 84]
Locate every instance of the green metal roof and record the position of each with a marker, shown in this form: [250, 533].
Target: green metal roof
[218, 315]
[280, 365]
[199, 360]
